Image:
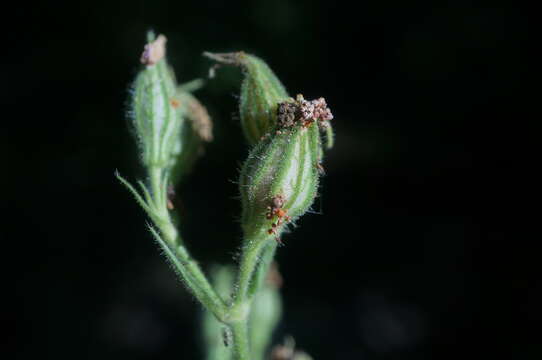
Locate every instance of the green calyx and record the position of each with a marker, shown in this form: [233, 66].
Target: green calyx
[279, 180]
[261, 92]
[170, 123]
[156, 119]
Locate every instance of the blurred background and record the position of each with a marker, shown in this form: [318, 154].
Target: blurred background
[405, 254]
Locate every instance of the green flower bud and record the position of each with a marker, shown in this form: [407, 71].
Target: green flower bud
[261, 92]
[155, 115]
[279, 180]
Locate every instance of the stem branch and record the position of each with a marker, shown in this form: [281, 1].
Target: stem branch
[171, 242]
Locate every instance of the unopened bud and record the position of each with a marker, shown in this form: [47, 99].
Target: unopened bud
[170, 123]
[261, 92]
[155, 115]
[279, 180]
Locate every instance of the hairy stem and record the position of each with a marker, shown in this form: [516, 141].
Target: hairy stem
[155, 175]
[249, 262]
[238, 315]
[170, 241]
[240, 341]
[266, 257]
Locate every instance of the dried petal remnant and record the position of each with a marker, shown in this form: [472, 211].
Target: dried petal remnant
[286, 116]
[154, 51]
[301, 111]
[201, 121]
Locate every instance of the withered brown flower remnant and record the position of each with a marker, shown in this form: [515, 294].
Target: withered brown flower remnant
[292, 112]
[201, 121]
[287, 114]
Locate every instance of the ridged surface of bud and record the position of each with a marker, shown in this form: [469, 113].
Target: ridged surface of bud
[261, 92]
[279, 180]
[155, 114]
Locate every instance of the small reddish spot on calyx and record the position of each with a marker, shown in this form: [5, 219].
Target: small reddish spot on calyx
[175, 103]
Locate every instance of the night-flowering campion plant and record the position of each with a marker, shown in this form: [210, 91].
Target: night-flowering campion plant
[278, 183]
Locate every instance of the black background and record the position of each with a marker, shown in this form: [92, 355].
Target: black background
[405, 255]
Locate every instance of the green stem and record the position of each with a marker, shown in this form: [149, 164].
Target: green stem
[191, 86]
[212, 301]
[249, 262]
[155, 174]
[238, 316]
[188, 269]
[240, 341]
[266, 257]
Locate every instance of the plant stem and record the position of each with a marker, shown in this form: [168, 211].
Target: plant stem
[257, 254]
[249, 262]
[171, 242]
[155, 174]
[266, 257]
[239, 313]
[240, 341]
[211, 300]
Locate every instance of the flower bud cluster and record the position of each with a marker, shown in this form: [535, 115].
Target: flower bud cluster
[279, 180]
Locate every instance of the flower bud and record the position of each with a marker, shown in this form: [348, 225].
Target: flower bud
[154, 107]
[261, 92]
[279, 180]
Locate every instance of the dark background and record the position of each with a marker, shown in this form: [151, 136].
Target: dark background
[405, 256]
